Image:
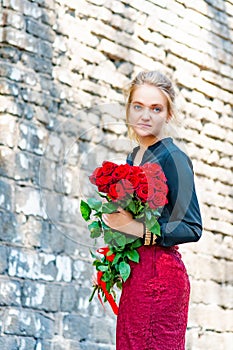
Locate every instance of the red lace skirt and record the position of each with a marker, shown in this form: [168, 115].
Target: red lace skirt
[153, 308]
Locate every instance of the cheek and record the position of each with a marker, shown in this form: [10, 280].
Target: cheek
[131, 118]
[159, 121]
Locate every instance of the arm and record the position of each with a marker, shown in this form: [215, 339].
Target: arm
[181, 219]
[123, 221]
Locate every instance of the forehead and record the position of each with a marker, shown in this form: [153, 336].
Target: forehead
[149, 95]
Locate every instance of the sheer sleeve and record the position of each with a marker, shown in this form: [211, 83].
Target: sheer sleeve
[181, 219]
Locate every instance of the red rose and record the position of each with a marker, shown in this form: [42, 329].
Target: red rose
[161, 186]
[116, 191]
[158, 201]
[127, 186]
[103, 188]
[96, 173]
[108, 167]
[151, 192]
[154, 170]
[121, 172]
[134, 180]
[142, 177]
[142, 192]
[104, 180]
[119, 190]
[112, 192]
[135, 170]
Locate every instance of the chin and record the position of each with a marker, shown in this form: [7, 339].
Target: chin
[144, 133]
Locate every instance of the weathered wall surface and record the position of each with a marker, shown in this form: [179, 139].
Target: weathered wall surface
[63, 64]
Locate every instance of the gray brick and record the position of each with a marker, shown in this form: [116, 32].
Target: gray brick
[7, 162]
[31, 265]
[40, 30]
[8, 88]
[18, 38]
[26, 343]
[28, 323]
[10, 292]
[5, 195]
[38, 64]
[69, 298]
[32, 138]
[29, 202]
[45, 49]
[3, 259]
[76, 327]
[7, 226]
[102, 331]
[27, 167]
[8, 130]
[52, 239]
[41, 296]
[8, 343]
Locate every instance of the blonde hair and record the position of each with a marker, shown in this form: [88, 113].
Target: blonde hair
[156, 79]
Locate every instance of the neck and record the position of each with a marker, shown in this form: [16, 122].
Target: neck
[148, 141]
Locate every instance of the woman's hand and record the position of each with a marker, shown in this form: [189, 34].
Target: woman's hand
[118, 220]
[123, 221]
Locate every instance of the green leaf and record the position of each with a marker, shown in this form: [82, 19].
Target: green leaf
[133, 255]
[107, 236]
[120, 240]
[102, 195]
[132, 207]
[119, 284]
[95, 229]
[150, 223]
[94, 203]
[155, 212]
[137, 243]
[156, 229]
[109, 253]
[93, 255]
[85, 210]
[117, 257]
[93, 293]
[124, 269]
[103, 268]
[107, 276]
[129, 239]
[109, 207]
[148, 215]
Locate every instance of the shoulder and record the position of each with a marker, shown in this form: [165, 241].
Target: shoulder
[131, 156]
[174, 156]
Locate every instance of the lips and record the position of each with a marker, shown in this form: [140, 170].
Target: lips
[144, 125]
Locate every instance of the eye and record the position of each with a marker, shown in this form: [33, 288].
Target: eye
[156, 109]
[137, 107]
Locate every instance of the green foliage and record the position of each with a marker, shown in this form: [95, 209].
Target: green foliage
[94, 204]
[133, 255]
[95, 229]
[109, 207]
[85, 210]
[114, 264]
[124, 270]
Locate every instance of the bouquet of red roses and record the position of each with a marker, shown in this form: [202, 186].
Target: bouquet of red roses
[141, 190]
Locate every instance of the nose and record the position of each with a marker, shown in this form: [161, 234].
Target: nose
[146, 113]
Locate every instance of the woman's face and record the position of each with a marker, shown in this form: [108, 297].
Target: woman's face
[148, 112]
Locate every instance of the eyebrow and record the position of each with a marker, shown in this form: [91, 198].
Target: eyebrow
[152, 105]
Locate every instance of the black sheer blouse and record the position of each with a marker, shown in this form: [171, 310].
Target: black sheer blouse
[180, 219]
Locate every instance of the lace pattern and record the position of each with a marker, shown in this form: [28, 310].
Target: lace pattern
[153, 307]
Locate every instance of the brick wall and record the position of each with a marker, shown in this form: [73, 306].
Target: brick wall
[63, 64]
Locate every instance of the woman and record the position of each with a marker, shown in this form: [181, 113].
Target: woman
[153, 308]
